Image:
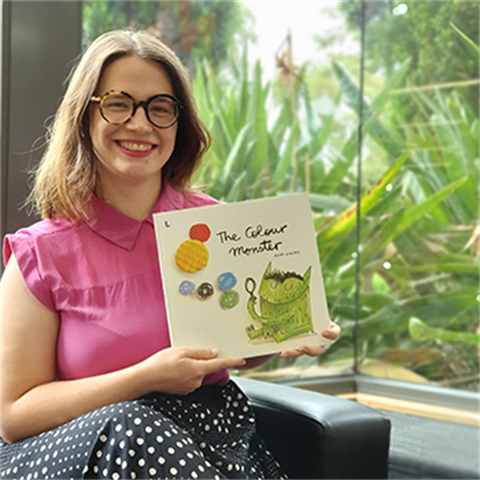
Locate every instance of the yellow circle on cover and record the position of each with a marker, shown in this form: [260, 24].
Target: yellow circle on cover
[192, 256]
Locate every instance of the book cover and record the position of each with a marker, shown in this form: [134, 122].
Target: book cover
[244, 278]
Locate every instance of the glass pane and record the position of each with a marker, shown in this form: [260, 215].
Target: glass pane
[419, 260]
[284, 78]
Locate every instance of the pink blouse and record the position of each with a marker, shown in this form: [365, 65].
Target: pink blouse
[103, 279]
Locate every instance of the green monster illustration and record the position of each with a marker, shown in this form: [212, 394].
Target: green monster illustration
[284, 305]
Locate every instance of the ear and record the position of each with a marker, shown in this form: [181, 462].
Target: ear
[268, 270]
[306, 277]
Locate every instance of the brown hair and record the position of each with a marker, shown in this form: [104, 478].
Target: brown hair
[67, 174]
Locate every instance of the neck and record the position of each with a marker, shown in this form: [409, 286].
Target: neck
[132, 200]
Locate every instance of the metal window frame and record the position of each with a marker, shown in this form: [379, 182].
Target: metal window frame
[39, 39]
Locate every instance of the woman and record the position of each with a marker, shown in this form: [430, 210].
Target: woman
[84, 330]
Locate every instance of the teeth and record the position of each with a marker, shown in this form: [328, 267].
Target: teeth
[139, 147]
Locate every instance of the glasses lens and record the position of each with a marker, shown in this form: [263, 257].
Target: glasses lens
[162, 111]
[117, 108]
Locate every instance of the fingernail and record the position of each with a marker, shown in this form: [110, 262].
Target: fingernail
[215, 351]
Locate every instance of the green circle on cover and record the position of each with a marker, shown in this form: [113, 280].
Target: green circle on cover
[229, 299]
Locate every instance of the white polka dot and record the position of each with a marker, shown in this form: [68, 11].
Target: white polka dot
[115, 476]
[149, 429]
[173, 471]
[200, 467]
[159, 439]
[122, 444]
[152, 471]
[151, 450]
[118, 461]
[131, 452]
[137, 421]
[141, 462]
[207, 427]
[171, 450]
[140, 441]
[99, 453]
[161, 460]
[103, 438]
[129, 433]
[194, 475]
[133, 475]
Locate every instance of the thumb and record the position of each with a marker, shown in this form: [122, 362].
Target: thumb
[202, 353]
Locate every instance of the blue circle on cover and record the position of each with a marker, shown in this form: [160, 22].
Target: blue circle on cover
[226, 281]
[186, 287]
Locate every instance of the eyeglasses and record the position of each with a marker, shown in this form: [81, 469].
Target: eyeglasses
[118, 107]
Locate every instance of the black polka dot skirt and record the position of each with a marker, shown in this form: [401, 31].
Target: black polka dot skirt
[208, 434]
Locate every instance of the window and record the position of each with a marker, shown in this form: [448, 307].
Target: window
[410, 311]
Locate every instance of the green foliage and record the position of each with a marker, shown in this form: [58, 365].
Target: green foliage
[207, 28]
[422, 34]
[412, 262]
[421, 331]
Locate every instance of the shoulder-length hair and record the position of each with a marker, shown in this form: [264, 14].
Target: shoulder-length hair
[67, 174]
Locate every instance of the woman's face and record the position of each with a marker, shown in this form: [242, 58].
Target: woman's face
[135, 152]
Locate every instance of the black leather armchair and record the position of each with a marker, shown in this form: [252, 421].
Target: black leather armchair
[319, 436]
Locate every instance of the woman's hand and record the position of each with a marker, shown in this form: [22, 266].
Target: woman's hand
[331, 334]
[182, 370]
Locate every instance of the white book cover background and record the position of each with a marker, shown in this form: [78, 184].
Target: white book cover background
[244, 278]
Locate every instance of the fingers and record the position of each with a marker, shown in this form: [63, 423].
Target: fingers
[311, 351]
[201, 353]
[332, 333]
[212, 366]
[209, 361]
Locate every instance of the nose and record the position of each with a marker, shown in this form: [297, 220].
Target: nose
[139, 120]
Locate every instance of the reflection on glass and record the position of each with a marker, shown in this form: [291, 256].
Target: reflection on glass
[420, 242]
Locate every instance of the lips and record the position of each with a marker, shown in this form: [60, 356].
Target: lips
[136, 148]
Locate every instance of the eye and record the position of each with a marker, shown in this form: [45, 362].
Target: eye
[162, 106]
[117, 102]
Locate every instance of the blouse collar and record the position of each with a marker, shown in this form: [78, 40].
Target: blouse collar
[123, 230]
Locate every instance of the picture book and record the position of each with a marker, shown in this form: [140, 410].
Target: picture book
[244, 278]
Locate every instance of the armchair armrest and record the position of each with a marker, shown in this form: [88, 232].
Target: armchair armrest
[319, 436]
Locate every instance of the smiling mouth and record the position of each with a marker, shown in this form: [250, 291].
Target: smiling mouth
[137, 147]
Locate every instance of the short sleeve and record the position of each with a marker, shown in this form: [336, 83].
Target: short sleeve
[194, 199]
[22, 246]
